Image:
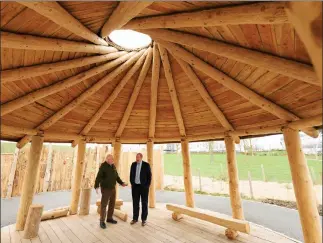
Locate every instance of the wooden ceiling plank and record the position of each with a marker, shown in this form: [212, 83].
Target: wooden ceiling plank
[41, 69]
[270, 62]
[90, 91]
[306, 18]
[257, 13]
[154, 91]
[56, 13]
[135, 93]
[30, 42]
[232, 84]
[61, 85]
[114, 94]
[124, 12]
[206, 96]
[172, 90]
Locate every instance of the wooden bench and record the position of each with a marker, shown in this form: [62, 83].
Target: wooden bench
[230, 223]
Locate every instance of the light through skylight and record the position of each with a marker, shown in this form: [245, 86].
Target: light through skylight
[129, 39]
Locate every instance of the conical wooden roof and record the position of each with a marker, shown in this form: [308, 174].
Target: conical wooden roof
[213, 69]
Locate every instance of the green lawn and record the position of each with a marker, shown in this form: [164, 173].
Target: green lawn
[276, 167]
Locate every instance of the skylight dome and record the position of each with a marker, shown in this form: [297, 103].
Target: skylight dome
[130, 39]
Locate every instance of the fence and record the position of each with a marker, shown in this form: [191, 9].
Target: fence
[56, 169]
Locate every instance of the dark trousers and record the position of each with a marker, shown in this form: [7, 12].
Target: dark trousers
[138, 192]
[108, 195]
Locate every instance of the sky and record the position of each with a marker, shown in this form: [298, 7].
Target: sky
[129, 39]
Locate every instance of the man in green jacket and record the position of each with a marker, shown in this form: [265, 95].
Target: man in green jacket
[106, 179]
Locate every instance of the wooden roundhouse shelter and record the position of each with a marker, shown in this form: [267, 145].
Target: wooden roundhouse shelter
[213, 71]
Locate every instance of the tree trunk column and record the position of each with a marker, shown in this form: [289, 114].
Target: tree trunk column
[150, 158]
[116, 157]
[303, 187]
[78, 175]
[30, 178]
[235, 198]
[189, 193]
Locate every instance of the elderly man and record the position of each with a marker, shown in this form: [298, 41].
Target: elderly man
[106, 179]
[140, 178]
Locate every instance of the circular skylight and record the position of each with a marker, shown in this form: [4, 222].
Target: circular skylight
[129, 39]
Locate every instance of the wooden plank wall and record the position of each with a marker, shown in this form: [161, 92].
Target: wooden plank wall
[62, 167]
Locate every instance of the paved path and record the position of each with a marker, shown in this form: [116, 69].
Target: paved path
[280, 219]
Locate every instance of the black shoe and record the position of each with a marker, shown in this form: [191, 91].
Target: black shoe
[133, 221]
[112, 221]
[143, 223]
[102, 225]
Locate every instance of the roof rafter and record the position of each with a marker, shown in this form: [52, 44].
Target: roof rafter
[124, 12]
[56, 13]
[172, 90]
[135, 93]
[206, 97]
[114, 94]
[88, 92]
[63, 84]
[233, 85]
[303, 22]
[30, 42]
[154, 91]
[10, 75]
[256, 13]
[255, 58]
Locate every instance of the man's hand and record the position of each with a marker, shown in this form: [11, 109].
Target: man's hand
[97, 190]
[125, 184]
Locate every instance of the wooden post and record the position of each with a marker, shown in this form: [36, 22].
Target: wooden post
[237, 211]
[116, 157]
[12, 173]
[150, 158]
[33, 221]
[79, 168]
[189, 194]
[85, 201]
[303, 187]
[263, 172]
[200, 182]
[250, 184]
[48, 167]
[313, 175]
[30, 178]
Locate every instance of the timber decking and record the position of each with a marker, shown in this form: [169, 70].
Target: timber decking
[160, 228]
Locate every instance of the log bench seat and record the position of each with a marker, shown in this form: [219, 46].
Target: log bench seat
[230, 223]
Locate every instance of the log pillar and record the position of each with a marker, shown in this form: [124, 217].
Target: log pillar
[189, 193]
[235, 198]
[78, 175]
[116, 157]
[33, 220]
[30, 179]
[303, 187]
[150, 158]
[85, 201]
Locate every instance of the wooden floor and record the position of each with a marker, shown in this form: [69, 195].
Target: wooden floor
[160, 228]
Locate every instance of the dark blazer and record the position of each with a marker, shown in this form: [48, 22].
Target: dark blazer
[145, 174]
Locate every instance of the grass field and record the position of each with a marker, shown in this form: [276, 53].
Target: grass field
[276, 167]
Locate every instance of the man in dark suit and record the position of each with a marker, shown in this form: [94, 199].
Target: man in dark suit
[140, 178]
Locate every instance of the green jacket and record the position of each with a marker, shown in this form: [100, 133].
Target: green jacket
[107, 176]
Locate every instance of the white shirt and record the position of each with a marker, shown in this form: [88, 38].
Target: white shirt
[138, 168]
